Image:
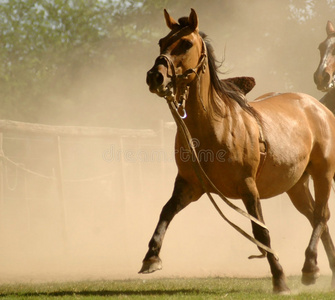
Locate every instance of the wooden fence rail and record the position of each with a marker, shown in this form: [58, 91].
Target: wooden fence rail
[40, 129]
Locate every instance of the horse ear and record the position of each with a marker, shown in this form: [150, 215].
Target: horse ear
[170, 22]
[193, 20]
[330, 28]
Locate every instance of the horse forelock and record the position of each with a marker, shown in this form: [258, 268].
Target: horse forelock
[226, 95]
[183, 22]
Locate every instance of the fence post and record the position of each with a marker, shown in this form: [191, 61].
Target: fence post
[164, 155]
[140, 159]
[60, 188]
[26, 199]
[123, 174]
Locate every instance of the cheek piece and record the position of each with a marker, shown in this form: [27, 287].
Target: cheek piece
[171, 88]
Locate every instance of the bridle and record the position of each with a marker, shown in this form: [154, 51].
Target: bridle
[180, 79]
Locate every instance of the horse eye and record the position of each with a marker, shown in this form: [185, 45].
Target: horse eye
[187, 44]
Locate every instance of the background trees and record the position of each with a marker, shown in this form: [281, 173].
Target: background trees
[83, 62]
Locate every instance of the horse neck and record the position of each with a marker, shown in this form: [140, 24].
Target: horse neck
[329, 100]
[197, 104]
[203, 122]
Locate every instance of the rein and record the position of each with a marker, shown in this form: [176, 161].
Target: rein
[205, 181]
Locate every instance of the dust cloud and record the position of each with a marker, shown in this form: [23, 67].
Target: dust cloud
[114, 189]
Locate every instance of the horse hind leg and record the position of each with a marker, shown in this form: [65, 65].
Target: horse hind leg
[329, 247]
[330, 250]
[183, 194]
[321, 215]
[304, 203]
[318, 214]
[252, 203]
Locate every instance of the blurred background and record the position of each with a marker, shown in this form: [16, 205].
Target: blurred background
[88, 163]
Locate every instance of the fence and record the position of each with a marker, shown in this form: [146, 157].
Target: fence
[54, 178]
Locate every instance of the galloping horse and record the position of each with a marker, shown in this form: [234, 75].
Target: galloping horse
[324, 76]
[295, 131]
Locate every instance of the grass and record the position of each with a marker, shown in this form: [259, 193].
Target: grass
[177, 288]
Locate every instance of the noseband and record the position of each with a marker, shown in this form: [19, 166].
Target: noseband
[180, 79]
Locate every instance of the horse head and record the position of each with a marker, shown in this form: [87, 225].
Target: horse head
[324, 76]
[182, 57]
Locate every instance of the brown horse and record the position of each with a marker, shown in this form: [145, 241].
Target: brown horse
[324, 76]
[295, 130]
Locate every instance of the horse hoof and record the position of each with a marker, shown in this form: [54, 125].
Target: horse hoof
[280, 287]
[151, 265]
[283, 293]
[309, 278]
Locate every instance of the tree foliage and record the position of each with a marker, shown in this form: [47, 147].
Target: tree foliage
[47, 45]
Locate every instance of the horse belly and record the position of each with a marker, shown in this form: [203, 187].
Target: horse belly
[277, 183]
[283, 169]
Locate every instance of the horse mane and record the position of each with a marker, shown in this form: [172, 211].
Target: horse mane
[226, 94]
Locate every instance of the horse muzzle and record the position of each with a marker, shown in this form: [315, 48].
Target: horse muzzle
[324, 81]
[158, 80]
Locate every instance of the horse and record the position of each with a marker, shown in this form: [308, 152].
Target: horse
[271, 146]
[324, 76]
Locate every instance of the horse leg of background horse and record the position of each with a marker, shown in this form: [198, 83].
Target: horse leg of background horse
[183, 194]
[330, 250]
[303, 201]
[252, 203]
[321, 214]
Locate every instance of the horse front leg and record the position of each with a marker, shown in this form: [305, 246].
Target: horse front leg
[250, 197]
[183, 194]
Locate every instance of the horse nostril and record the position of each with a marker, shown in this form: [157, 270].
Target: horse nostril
[159, 78]
[326, 78]
[322, 79]
[154, 79]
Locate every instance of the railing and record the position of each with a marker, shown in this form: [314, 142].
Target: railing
[60, 163]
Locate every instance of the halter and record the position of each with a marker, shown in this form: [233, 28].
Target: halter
[179, 79]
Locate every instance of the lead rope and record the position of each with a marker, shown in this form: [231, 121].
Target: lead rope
[205, 181]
